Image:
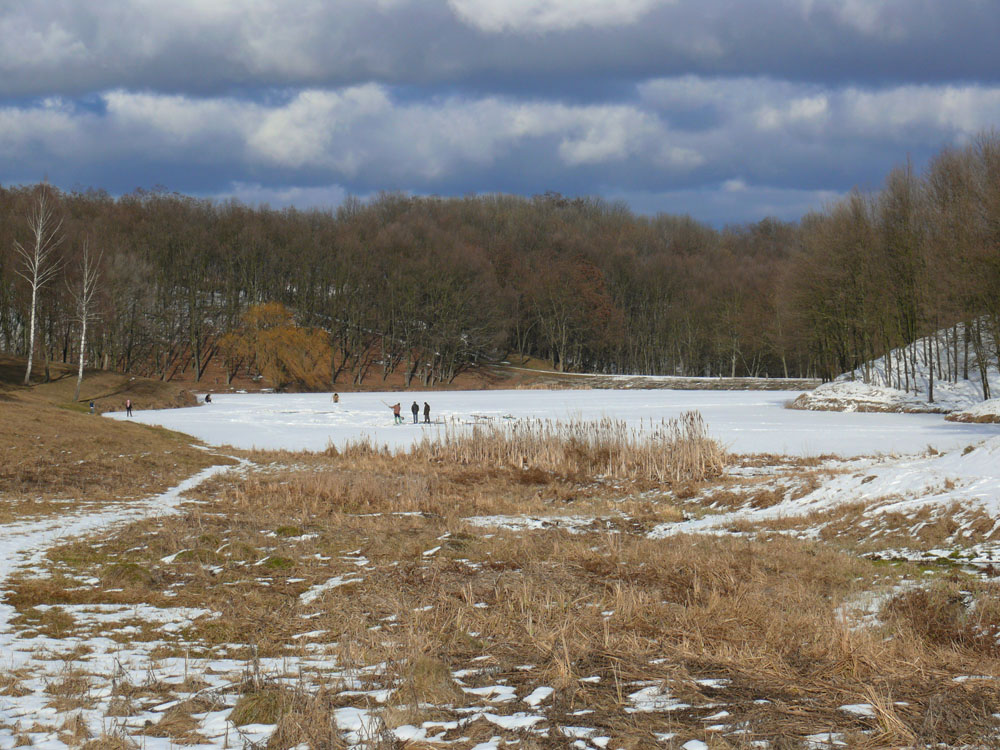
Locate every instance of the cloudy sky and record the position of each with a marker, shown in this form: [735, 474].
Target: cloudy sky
[730, 110]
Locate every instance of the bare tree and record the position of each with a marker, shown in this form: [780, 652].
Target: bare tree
[83, 300]
[38, 266]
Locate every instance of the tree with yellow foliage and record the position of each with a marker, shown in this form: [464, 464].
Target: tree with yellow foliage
[283, 352]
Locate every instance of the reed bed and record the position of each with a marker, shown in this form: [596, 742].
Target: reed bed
[668, 451]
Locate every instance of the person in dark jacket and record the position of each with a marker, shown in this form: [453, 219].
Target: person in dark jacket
[416, 411]
[427, 413]
[396, 417]
[128, 407]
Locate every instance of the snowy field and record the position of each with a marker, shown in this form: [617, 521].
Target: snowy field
[745, 421]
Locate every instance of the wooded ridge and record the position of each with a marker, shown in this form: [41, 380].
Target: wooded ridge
[428, 287]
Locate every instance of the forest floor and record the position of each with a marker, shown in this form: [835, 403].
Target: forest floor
[160, 594]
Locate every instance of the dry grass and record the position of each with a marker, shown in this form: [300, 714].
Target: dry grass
[445, 607]
[107, 389]
[671, 451]
[863, 530]
[53, 452]
[307, 719]
[50, 456]
[614, 605]
[963, 616]
[179, 724]
[110, 742]
[973, 419]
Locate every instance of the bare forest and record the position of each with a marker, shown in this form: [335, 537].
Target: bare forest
[160, 284]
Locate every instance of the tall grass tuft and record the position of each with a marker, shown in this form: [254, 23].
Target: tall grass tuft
[671, 450]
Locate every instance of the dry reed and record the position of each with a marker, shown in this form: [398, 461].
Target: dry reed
[668, 451]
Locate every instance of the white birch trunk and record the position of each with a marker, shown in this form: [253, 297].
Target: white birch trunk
[83, 349]
[31, 335]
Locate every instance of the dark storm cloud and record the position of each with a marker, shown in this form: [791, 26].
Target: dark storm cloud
[63, 46]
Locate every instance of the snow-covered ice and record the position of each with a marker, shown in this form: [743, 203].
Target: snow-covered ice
[745, 421]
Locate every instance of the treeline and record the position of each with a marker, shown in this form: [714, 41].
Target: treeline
[428, 287]
[920, 257]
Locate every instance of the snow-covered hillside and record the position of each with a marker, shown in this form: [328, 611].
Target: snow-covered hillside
[905, 378]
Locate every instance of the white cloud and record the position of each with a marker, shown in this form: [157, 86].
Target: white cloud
[53, 124]
[735, 135]
[550, 15]
[355, 131]
[934, 112]
[798, 111]
[949, 109]
[179, 119]
[317, 127]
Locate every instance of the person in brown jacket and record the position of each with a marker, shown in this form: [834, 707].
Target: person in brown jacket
[397, 418]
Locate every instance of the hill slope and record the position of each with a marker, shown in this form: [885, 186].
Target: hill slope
[936, 374]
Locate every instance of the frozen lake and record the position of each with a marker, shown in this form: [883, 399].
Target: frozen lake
[745, 421]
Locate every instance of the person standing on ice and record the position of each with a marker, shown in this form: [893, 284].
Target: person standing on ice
[396, 416]
[416, 411]
[128, 407]
[427, 413]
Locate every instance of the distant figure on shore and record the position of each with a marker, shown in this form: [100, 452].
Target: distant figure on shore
[92, 407]
[128, 407]
[396, 416]
[208, 398]
[427, 413]
[416, 411]
[336, 398]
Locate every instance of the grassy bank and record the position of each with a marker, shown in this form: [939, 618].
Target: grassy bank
[55, 455]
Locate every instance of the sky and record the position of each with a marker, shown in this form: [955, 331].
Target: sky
[730, 111]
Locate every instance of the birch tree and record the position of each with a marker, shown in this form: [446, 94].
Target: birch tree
[83, 300]
[38, 262]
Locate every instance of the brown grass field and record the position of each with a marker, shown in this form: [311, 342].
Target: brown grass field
[736, 639]
[55, 455]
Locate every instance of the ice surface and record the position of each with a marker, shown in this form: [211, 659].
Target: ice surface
[745, 421]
